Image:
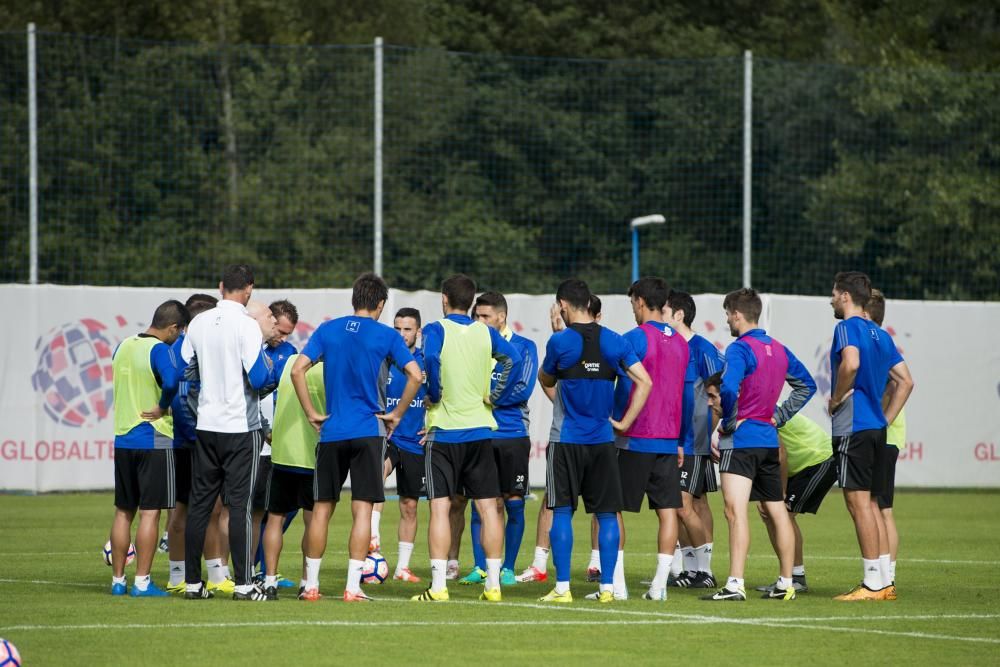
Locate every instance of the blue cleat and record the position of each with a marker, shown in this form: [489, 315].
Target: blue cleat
[152, 591]
[118, 589]
[507, 577]
[285, 583]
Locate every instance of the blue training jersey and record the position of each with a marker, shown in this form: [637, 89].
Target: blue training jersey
[353, 350]
[184, 418]
[511, 412]
[705, 361]
[582, 407]
[877, 352]
[163, 361]
[407, 434]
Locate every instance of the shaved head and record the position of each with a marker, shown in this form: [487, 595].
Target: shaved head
[262, 313]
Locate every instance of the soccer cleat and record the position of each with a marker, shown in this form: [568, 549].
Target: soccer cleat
[255, 594]
[375, 546]
[152, 591]
[357, 597]
[285, 583]
[890, 592]
[164, 545]
[657, 594]
[507, 577]
[201, 594]
[780, 593]
[604, 597]
[491, 595]
[476, 576]
[118, 589]
[560, 598]
[225, 587]
[271, 593]
[703, 580]
[798, 583]
[405, 574]
[682, 580]
[431, 596]
[593, 574]
[532, 574]
[860, 592]
[177, 589]
[451, 573]
[726, 594]
[596, 595]
[309, 594]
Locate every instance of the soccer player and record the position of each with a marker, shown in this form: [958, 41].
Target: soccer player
[698, 474]
[184, 440]
[581, 364]
[895, 439]
[757, 367]
[260, 312]
[145, 382]
[459, 354]
[651, 452]
[863, 358]
[353, 349]
[293, 462]
[808, 471]
[232, 368]
[404, 453]
[511, 444]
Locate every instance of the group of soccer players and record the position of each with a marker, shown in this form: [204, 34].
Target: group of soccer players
[256, 428]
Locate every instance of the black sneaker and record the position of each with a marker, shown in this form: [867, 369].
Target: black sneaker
[271, 592]
[779, 593]
[703, 580]
[799, 581]
[683, 580]
[201, 594]
[255, 594]
[258, 578]
[725, 594]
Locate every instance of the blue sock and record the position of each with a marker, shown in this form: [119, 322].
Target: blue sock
[561, 536]
[514, 533]
[288, 520]
[475, 529]
[607, 541]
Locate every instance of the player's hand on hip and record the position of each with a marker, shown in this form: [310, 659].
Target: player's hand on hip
[317, 421]
[680, 456]
[423, 436]
[390, 420]
[152, 414]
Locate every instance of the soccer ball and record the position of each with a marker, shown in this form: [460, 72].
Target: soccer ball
[375, 570]
[129, 557]
[9, 657]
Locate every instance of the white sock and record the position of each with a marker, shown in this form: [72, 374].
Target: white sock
[141, 583]
[799, 571]
[883, 566]
[606, 587]
[438, 571]
[892, 572]
[703, 558]
[225, 572]
[562, 587]
[734, 583]
[176, 572]
[270, 580]
[663, 562]
[784, 583]
[118, 580]
[376, 520]
[873, 574]
[216, 575]
[453, 564]
[312, 572]
[493, 573]
[619, 578]
[677, 564]
[541, 559]
[405, 551]
[354, 575]
[690, 559]
[595, 560]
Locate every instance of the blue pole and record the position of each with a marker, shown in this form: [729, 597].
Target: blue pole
[635, 254]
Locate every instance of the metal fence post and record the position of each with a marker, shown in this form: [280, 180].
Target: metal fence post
[378, 156]
[32, 160]
[747, 162]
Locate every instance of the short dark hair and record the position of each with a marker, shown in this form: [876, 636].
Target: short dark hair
[855, 283]
[683, 302]
[171, 312]
[197, 304]
[460, 290]
[285, 308]
[745, 301]
[714, 380]
[495, 300]
[236, 277]
[369, 291]
[409, 312]
[876, 307]
[575, 292]
[654, 291]
[594, 306]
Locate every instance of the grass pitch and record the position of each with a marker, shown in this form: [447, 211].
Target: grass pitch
[56, 608]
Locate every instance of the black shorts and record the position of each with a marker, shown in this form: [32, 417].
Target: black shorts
[361, 457]
[410, 471]
[182, 474]
[261, 486]
[698, 475]
[289, 490]
[807, 488]
[390, 453]
[590, 471]
[656, 476]
[760, 464]
[461, 469]
[512, 456]
[144, 479]
[888, 495]
[861, 461]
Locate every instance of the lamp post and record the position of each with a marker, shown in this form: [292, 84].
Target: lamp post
[634, 225]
